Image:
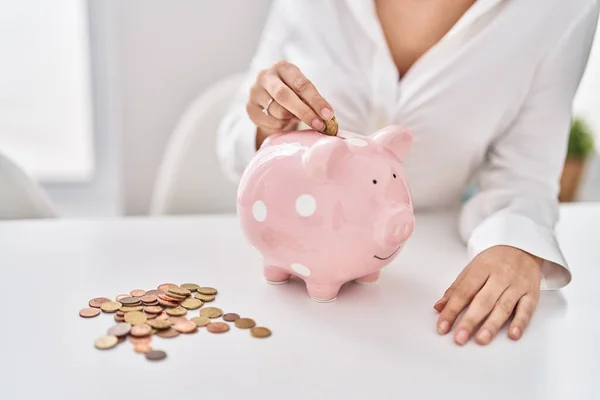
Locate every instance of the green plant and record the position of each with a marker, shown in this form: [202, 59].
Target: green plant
[581, 140]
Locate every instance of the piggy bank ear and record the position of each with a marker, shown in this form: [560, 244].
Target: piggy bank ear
[395, 138]
[322, 157]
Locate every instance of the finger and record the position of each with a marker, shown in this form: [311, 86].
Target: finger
[295, 79]
[499, 315]
[441, 303]
[458, 300]
[257, 116]
[287, 98]
[260, 97]
[524, 311]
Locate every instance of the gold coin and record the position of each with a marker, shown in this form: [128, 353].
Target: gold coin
[159, 324]
[260, 332]
[177, 291]
[205, 297]
[207, 290]
[135, 318]
[244, 323]
[201, 321]
[192, 304]
[130, 301]
[177, 312]
[127, 309]
[110, 306]
[211, 312]
[106, 342]
[192, 287]
[331, 127]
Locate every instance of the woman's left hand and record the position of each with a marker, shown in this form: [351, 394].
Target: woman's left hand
[498, 281]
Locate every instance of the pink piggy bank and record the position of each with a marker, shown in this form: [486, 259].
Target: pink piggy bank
[327, 209]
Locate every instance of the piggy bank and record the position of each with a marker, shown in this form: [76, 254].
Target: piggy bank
[327, 209]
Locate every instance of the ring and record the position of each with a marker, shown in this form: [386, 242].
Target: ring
[265, 110]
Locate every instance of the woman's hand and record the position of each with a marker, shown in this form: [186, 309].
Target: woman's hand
[295, 99]
[497, 282]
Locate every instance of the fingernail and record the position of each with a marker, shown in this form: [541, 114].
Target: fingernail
[462, 336]
[318, 124]
[327, 113]
[484, 335]
[443, 327]
[443, 299]
[516, 332]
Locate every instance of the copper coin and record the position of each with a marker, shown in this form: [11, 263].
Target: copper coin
[245, 323]
[207, 290]
[158, 324]
[153, 309]
[167, 303]
[130, 301]
[201, 321]
[119, 318]
[142, 348]
[150, 304]
[163, 316]
[155, 355]
[260, 332]
[141, 330]
[177, 291]
[217, 327]
[121, 296]
[120, 339]
[167, 333]
[191, 304]
[211, 312]
[148, 298]
[138, 340]
[89, 312]
[97, 302]
[121, 329]
[150, 316]
[185, 327]
[230, 317]
[192, 287]
[120, 313]
[137, 293]
[205, 297]
[110, 306]
[165, 286]
[175, 320]
[173, 298]
[127, 309]
[154, 292]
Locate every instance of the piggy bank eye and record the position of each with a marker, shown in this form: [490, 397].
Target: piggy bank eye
[394, 175]
[374, 182]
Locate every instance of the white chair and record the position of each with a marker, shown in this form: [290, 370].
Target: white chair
[20, 196]
[190, 179]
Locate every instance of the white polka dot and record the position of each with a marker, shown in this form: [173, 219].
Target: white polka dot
[306, 205]
[259, 210]
[301, 269]
[358, 142]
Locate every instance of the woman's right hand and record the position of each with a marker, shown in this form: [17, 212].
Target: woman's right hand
[295, 99]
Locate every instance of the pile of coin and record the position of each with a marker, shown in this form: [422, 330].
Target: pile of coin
[163, 312]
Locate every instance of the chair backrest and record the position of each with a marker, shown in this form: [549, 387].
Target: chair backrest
[20, 196]
[190, 179]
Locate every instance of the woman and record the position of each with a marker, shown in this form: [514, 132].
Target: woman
[485, 86]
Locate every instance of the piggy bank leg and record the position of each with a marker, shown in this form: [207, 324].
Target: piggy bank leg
[368, 279]
[323, 293]
[275, 275]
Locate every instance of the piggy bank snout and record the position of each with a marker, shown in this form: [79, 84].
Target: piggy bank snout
[398, 226]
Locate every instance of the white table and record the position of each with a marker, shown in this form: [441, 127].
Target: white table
[375, 341]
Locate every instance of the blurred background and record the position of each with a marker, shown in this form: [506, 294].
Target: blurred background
[98, 97]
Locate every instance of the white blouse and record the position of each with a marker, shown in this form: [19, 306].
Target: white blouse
[490, 102]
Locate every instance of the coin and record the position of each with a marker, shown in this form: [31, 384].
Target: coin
[211, 312]
[165, 286]
[120, 313]
[154, 292]
[173, 297]
[177, 291]
[142, 348]
[201, 321]
[331, 127]
[153, 309]
[185, 327]
[130, 301]
[106, 342]
[141, 330]
[192, 287]
[175, 320]
[163, 316]
[119, 318]
[121, 296]
[137, 293]
[167, 333]
[97, 302]
[217, 327]
[110, 306]
[230, 317]
[120, 339]
[121, 329]
[155, 355]
[260, 332]
[127, 309]
[148, 298]
[204, 297]
[139, 340]
[150, 316]
[135, 317]
[178, 311]
[245, 323]
[207, 290]
[159, 324]
[89, 312]
[191, 304]
[166, 303]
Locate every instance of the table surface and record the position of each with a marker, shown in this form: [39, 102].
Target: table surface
[378, 341]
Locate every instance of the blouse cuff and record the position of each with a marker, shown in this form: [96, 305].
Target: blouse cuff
[523, 233]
